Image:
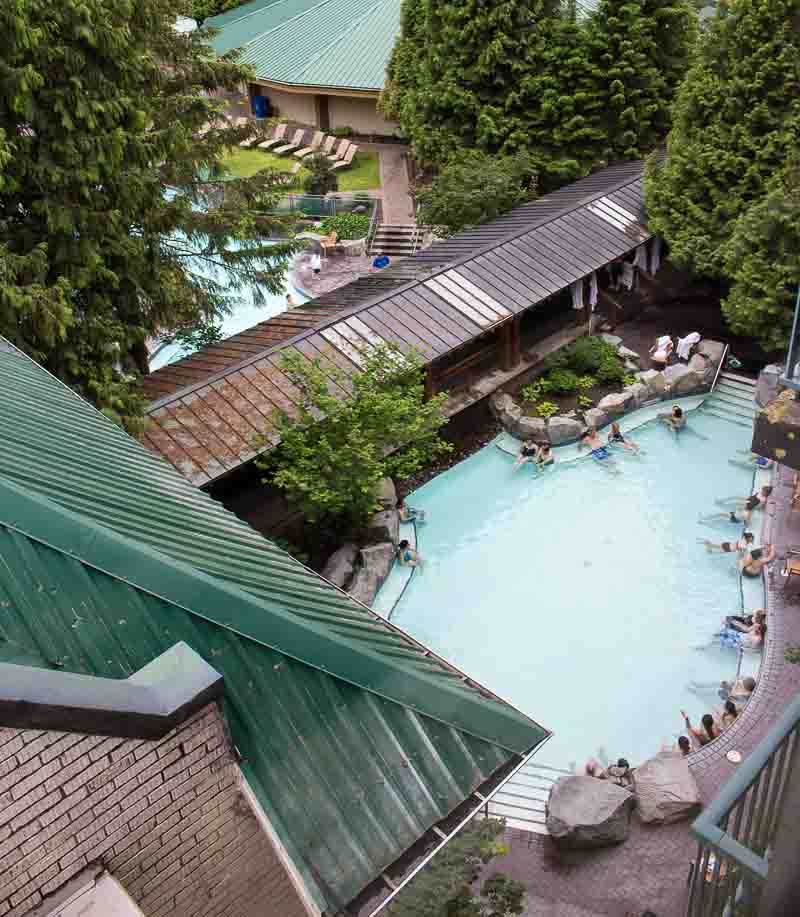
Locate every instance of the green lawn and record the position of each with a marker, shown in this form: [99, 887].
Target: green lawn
[362, 175]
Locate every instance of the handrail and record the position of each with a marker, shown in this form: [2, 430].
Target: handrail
[719, 369]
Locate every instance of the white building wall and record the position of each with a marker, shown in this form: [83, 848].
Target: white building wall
[296, 106]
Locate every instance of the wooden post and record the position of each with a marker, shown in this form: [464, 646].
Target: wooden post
[506, 343]
[430, 382]
[516, 341]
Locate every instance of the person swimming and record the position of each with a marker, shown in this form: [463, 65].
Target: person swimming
[727, 547]
[753, 563]
[744, 507]
[407, 556]
[675, 420]
[409, 513]
[545, 456]
[752, 458]
[617, 438]
[592, 441]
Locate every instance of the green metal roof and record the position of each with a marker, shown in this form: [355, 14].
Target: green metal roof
[336, 44]
[108, 557]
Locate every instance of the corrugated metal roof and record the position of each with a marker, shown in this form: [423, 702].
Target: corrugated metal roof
[108, 557]
[204, 363]
[433, 302]
[343, 44]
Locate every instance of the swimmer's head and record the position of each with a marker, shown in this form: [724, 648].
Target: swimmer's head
[677, 411]
[403, 544]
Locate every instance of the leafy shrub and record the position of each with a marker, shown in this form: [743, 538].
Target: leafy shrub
[343, 132]
[203, 334]
[584, 401]
[629, 379]
[533, 391]
[560, 380]
[586, 382]
[584, 356]
[545, 409]
[321, 178]
[347, 225]
[611, 369]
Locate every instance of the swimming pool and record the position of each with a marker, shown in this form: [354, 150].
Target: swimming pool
[244, 314]
[582, 596]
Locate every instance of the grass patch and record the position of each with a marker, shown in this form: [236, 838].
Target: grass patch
[362, 175]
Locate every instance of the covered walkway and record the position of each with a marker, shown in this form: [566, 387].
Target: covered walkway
[460, 302]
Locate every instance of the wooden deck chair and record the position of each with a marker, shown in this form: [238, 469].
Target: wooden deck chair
[297, 141]
[348, 157]
[278, 137]
[340, 151]
[315, 144]
[328, 242]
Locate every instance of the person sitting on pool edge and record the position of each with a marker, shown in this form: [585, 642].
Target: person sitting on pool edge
[617, 438]
[727, 547]
[528, 452]
[753, 563]
[708, 733]
[545, 456]
[675, 420]
[592, 441]
[407, 556]
[409, 513]
[740, 691]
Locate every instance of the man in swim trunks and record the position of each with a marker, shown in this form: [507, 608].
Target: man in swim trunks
[728, 547]
[675, 420]
[591, 440]
[753, 563]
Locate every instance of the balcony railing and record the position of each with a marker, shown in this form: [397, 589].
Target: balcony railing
[736, 831]
[791, 374]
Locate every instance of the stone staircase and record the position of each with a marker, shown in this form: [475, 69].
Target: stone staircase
[521, 801]
[733, 399]
[396, 239]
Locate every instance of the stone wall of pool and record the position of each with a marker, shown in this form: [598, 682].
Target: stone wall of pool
[691, 378]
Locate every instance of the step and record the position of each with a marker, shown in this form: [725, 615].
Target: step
[734, 377]
[735, 391]
[725, 415]
[742, 390]
[747, 409]
[521, 819]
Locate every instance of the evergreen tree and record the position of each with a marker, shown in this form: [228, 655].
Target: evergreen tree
[640, 53]
[762, 260]
[736, 119]
[500, 77]
[103, 221]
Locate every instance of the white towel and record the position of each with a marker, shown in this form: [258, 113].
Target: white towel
[662, 342]
[685, 345]
[593, 290]
[628, 275]
[577, 294]
[655, 255]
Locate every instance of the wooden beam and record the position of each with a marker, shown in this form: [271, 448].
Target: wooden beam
[430, 382]
[506, 344]
[516, 341]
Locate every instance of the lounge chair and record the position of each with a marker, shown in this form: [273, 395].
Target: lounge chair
[328, 242]
[297, 142]
[278, 137]
[326, 147]
[348, 157]
[340, 151]
[315, 144]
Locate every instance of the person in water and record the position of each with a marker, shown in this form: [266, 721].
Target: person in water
[728, 547]
[409, 513]
[741, 690]
[675, 420]
[617, 438]
[748, 638]
[744, 507]
[707, 732]
[728, 715]
[752, 564]
[528, 452]
[753, 458]
[545, 456]
[592, 441]
[407, 556]
[741, 622]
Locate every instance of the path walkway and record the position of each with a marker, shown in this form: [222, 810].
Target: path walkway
[398, 207]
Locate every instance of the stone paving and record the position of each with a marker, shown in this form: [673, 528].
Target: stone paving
[398, 207]
[337, 271]
[650, 870]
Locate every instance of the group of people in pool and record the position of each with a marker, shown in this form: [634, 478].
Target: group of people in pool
[751, 560]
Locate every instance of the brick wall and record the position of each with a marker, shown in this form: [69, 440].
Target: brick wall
[167, 818]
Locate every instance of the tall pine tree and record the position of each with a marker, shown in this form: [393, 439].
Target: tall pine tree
[640, 51]
[103, 218]
[735, 124]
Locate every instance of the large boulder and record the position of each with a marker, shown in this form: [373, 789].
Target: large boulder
[639, 392]
[384, 526]
[506, 410]
[665, 789]
[532, 428]
[614, 339]
[562, 429]
[595, 418]
[341, 565]
[616, 403]
[682, 380]
[375, 564]
[627, 354]
[586, 812]
[711, 350]
[703, 367]
[655, 382]
[386, 493]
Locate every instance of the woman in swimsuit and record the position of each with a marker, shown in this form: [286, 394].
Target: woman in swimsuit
[744, 507]
[528, 452]
[545, 456]
[729, 714]
[755, 560]
[707, 734]
[616, 438]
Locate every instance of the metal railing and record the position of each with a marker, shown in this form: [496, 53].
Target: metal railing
[317, 206]
[721, 366]
[737, 830]
[791, 372]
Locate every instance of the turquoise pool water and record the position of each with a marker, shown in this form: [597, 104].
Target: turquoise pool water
[582, 596]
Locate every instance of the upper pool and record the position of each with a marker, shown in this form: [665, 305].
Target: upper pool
[581, 596]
